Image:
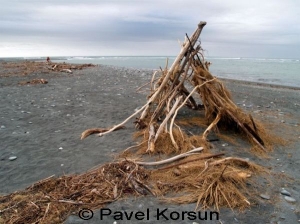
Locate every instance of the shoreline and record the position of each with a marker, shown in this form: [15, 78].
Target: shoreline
[42, 59]
[41, 125]
[260, 84]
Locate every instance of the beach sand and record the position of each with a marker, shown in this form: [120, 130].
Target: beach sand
[41, 125]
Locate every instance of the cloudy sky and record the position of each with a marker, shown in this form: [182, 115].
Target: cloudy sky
[235, 28]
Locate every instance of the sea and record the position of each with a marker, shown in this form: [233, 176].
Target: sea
[280, 71]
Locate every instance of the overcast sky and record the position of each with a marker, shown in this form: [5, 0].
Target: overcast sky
[235, 28]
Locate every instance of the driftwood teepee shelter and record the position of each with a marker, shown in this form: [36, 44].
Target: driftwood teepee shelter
[169, 94]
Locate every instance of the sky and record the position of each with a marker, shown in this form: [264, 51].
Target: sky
[235, 28]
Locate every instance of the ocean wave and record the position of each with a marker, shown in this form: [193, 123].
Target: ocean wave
[79, 58]
[224, 58]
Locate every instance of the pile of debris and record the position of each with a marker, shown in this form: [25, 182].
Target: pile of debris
[191, 173]
[24, 68]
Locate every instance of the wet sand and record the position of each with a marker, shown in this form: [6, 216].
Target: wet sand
[41, 126]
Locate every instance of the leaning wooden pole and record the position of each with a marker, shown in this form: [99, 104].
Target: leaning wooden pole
[186, 46]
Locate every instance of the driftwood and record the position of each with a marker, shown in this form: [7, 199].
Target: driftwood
[24, 68]
[172, 159]
[169, 93]
[197, 175]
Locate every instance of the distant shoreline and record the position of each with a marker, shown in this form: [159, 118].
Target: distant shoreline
[231, 71]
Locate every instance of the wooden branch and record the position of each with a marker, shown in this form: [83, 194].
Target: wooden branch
[91, 131]
[174, 158]
[171, 133]
[162, 125]
[151, 139]
[183, 103]
[148, 83]
[253, 123]
[152, 80]
[246, 130]
[213, 124]
[124, 122]
[135, 146]
[191, 160]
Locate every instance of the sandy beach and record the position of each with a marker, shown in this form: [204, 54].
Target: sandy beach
[41, 126]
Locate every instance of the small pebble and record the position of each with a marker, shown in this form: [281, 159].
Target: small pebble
[282, 217]
[289, 199]
[29, 122]
[225, 144]
[60, 148]
[285, 192]
[61, 164]
[264, 196]
[2, 127]
[12, 158]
